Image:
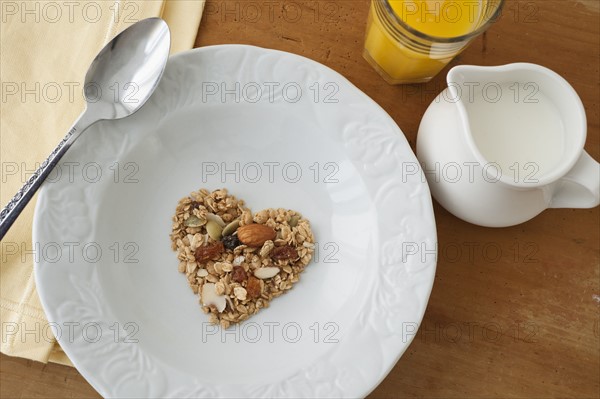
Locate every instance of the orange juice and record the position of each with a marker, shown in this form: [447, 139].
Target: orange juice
[440, 18]
[410, 41]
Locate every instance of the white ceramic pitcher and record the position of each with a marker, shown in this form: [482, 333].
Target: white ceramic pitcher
[501, 144]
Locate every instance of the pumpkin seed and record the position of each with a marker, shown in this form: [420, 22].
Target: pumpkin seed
[214, 230]
[231, 227]
[194, 221]
[294, 221]
[215, 218]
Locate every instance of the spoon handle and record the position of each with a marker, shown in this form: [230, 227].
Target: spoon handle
[14, 207]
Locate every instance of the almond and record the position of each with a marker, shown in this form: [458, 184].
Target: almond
[255, 235]
[210, 297]
[266, 272]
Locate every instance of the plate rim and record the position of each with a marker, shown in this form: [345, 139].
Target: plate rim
[38, 212]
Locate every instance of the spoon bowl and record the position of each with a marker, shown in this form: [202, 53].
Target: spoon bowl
[127, 70]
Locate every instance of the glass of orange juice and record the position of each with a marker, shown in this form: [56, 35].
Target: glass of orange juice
[410, 41]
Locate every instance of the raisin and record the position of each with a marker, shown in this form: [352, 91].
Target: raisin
[203, 254]
[282, 253]
[253, 287]
[239, 274]
[231, 242]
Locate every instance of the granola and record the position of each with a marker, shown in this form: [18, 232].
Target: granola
[236, 261]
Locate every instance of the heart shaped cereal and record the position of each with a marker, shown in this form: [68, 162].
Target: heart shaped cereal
[235, 261]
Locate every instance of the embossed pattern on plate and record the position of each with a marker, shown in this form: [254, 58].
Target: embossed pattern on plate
[354, 311]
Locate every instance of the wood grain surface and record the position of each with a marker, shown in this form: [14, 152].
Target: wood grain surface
[514, 312]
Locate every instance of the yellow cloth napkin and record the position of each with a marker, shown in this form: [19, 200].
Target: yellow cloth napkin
[45, 50]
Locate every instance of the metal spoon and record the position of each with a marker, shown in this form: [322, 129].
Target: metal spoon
[119, 81]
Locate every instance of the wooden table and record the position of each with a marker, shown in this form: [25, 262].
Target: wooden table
[514, 312]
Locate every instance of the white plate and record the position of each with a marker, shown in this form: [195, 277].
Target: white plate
[108, 279]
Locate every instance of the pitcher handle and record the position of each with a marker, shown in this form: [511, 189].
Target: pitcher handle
[580, 188]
